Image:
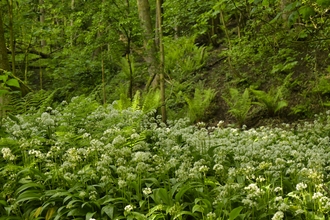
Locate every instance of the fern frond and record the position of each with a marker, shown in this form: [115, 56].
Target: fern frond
[136, 100]
[280, 105]
[48, 100]
[239, 104]
[32, 101]
[199, 103]
[271, 100]
[151, 101]
[123, 103]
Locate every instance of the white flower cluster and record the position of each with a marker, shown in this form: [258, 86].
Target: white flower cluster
[254, 192]
[147, 191]
[46, 119]
[129, 208]
[279, 215]
[301, 186]
[37, 154]
[122, 149]
[7, 154]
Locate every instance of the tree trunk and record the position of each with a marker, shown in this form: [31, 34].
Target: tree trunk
[148, 41]
[162, 60]
[42, 21]
[12, 38]
[42, 41]
[4, 62]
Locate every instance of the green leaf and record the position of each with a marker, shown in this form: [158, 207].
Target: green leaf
[89, 215]
[29, 185]
[183, 213]
[197, 208]
[3, 92]
[109, 210]
[4, 78]
[323, 3]
[235, 213]
[13, 82]
[138, 216]
[162, 195]
[159, 207]
[29, 195]
[114, 200]
[306, 11]
[265, 3]
[3, 202]
[77, 212]
[181, 192]
[175, 187]
[293, 17]
[280, 105]
[136, 100]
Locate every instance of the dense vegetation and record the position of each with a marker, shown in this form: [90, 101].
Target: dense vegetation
[121, 109]
[210, 49]
[84, 160]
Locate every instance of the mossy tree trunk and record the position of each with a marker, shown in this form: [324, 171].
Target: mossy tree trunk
[148, 41]
[4, 62]
[162, 60]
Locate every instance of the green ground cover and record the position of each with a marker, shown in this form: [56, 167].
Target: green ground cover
[83, 160]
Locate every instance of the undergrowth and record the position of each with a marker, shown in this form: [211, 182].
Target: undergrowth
[83, 160]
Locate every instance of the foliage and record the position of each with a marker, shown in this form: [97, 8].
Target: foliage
[7, 82]
[149, 102]
[81, 45]
[183, 57]
[83, 160]
[198, 104]
[322, 86]
[182, 17]
[272, 100]
[239, 104]
[31, 102]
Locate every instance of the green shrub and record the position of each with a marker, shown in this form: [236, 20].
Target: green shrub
[271, 100]
[199, 103]
[239, 105]
[148, 102]
[183, 57]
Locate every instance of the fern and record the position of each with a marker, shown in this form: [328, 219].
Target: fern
[199, 103]
[239, 105]
[322, 86]
[127, 67]
[151, 101]
[32, 101]
[123, 103]
[272, 100]
[183, 57]
[136, 100]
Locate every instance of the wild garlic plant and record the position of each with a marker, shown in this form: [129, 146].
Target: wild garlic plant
[82, 160]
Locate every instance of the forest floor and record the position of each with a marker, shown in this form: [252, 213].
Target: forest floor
[215, 75]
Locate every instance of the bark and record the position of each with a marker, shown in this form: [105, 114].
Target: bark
[12, 38]
[4, 62]
[148, 41]
[42, 41]
[42, 21]
[162, 61]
